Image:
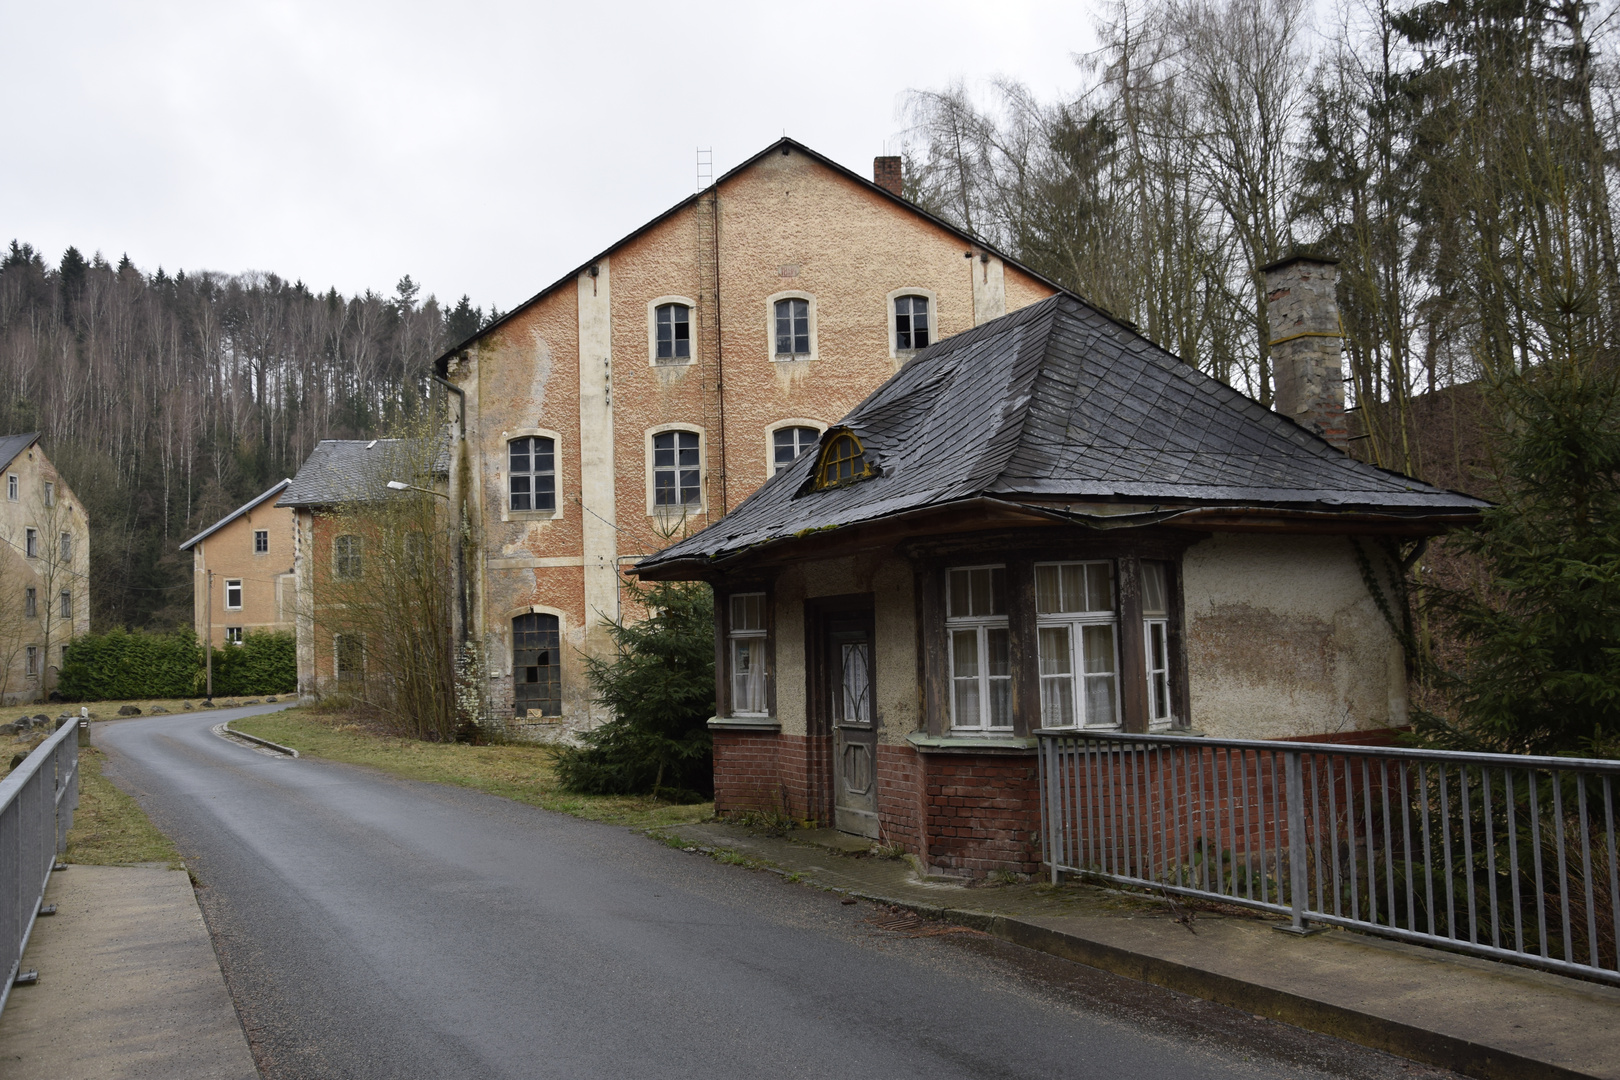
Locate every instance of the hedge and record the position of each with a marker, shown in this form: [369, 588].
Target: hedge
[124, 665]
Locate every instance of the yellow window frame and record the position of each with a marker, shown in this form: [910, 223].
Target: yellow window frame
[842, 462]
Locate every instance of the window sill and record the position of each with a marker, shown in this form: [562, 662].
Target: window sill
[531, 515]
[1008, 744]
[762, 724]
[684, 361]
[792, 358]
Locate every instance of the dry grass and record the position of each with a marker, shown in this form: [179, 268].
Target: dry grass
[520, 772]
[109, 827]
[108, 710]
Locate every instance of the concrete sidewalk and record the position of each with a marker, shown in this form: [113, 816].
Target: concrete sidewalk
[1475, 1016]
[129, 986]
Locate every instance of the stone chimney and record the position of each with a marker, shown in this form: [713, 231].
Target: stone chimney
[886, 175]
[1302, 308]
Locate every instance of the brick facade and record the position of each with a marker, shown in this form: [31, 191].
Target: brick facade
[967, 814]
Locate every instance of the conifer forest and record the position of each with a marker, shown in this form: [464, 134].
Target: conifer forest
[169, 400]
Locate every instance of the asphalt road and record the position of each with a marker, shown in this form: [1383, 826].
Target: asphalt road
[375, 927]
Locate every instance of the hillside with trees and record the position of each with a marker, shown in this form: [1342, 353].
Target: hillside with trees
[169, 400]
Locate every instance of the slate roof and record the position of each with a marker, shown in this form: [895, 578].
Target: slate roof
[1058, 401]
[12, 445]
[232, 516]
[355, 470]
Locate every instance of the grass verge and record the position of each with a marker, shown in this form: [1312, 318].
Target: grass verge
[109, 827]
[108, 710]
[513, 771]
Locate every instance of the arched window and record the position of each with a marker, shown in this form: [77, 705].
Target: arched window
[793, 327]
[536, 666]
[843, 462]
[532, 473]
[677, 470]
[674, 333]
[788, 443]
[346, 565]
[911, 323]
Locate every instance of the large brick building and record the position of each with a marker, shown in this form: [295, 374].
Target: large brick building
[644, 395]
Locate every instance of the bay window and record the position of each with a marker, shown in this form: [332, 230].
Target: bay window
[980, 652]
[1077, 631]
[747, 643]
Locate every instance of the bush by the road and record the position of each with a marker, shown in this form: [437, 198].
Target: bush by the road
[130, 664]
[134, 665]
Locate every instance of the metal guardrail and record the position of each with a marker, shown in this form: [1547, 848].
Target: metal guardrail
[1503, 856]
[37, 801]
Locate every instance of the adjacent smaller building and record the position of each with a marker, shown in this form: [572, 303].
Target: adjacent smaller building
[242, 572]
[1045, 523]
[44, 570]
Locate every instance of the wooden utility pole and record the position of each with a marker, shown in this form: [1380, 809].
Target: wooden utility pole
[208, 646]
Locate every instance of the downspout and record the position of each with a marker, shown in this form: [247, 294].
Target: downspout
[459, 631]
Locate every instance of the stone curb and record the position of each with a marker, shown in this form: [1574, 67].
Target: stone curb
[233, 733]
[1374, 1032]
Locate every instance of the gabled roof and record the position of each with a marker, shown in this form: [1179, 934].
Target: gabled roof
[1059, 407]
[12, 445]
[232, 516]
[439, 365]
[355, 470]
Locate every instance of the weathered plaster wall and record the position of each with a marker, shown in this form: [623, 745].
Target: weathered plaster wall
[1283, 640]
[268, 584]
[33, 469]
[894, 653]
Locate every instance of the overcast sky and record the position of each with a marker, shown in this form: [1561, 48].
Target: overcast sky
[483, 148]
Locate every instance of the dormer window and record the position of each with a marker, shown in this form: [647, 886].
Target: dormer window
[842, 462]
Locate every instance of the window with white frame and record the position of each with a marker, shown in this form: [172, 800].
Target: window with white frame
[31, 603]
[677, 471]
[672, 333]
[64, 544]
[788, 443]
[981, 663]
[233, 635]
[50, 493]
[31, 543]
[65, 604]
[31, 662]
[747, 649]
[532, 473]
[1077, 631]
[1156, 630]
[911, 323]
[793, 327]
[233, 594]
[261, 541]
[11, 486]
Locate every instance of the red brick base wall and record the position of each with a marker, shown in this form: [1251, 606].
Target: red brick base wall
[967, 814]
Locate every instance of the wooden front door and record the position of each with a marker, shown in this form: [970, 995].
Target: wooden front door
[847, 660]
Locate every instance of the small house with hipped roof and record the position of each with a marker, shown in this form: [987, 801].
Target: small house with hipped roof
[1045, 522]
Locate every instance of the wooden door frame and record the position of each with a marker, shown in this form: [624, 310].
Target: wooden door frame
[818, 612]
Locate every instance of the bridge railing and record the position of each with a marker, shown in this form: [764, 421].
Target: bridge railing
[1499, 855]
[37, 801]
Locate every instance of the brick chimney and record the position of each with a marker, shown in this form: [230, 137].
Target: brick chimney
[1302, 308]
[886, 175]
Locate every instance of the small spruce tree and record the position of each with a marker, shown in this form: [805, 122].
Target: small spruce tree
[659, 686]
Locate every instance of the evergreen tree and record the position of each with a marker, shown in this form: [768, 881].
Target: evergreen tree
[660, 689]
[1541, 673]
